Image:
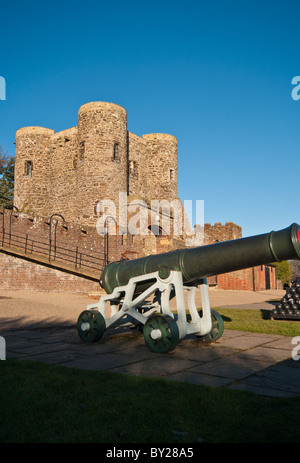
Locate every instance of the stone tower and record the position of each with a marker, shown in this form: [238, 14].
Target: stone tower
[70, 171]
[31, 189]
[102, 157]
[162, 166]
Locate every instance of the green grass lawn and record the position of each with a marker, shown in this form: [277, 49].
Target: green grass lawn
[48, 403]
[258, 321]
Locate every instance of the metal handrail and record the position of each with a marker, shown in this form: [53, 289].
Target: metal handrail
[30, 246]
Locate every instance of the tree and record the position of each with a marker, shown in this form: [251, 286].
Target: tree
[283, 272]
[295, 268]
[7, 166]
[3, 160]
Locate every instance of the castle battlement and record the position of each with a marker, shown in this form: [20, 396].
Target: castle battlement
[221, 232]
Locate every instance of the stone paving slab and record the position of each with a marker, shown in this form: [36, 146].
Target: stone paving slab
[161, 366]
[40, 326]
[248, 340]
[282, 343]
[200, 379]
[280, 380]
[108, 361]
[202, 353]
[231, 367]
[246, 361]
[264, 353]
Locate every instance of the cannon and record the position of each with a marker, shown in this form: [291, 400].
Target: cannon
[139, 291]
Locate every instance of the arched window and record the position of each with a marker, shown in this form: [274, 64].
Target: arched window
[132, 169]
[28, 168]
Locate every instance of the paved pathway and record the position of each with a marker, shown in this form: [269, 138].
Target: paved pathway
[246, 361]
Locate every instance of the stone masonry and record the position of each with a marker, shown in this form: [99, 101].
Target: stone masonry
[69, 172]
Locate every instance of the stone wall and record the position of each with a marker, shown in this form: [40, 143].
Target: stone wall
[40, 230]
[31, 189]
[220, 232]
[72, 170]
[63, 182]
[18, 273]
[162, 182]
[66, 238]
[21, 274]
[102, 136]
[138, 153]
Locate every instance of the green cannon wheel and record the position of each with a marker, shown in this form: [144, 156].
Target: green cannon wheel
[217, 328]
[90, 325]
[161, 333]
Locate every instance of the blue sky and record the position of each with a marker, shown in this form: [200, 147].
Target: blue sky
[217, 75]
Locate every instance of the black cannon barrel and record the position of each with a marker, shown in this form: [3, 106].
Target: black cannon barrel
[213, 259]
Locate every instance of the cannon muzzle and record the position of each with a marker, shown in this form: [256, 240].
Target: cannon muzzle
[204, 261]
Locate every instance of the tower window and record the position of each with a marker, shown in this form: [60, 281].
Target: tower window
[75, 161]
[28, 168]
[132, 169]
[81, 151]
[172, 174]
[116, 152]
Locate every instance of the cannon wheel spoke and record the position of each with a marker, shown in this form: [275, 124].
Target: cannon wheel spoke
[161, 333]
[217, 328]
[90, 325]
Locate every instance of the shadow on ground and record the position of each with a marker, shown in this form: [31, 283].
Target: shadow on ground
[238, 360]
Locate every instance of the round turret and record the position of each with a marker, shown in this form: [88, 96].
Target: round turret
[102, 156]
[32, 169]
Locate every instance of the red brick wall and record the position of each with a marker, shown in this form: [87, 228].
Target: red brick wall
[250, 279]
[241, 280]
[38, 228]
[21, 274]
[260, 277]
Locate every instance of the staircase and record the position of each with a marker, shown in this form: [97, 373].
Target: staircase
[51, 254]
